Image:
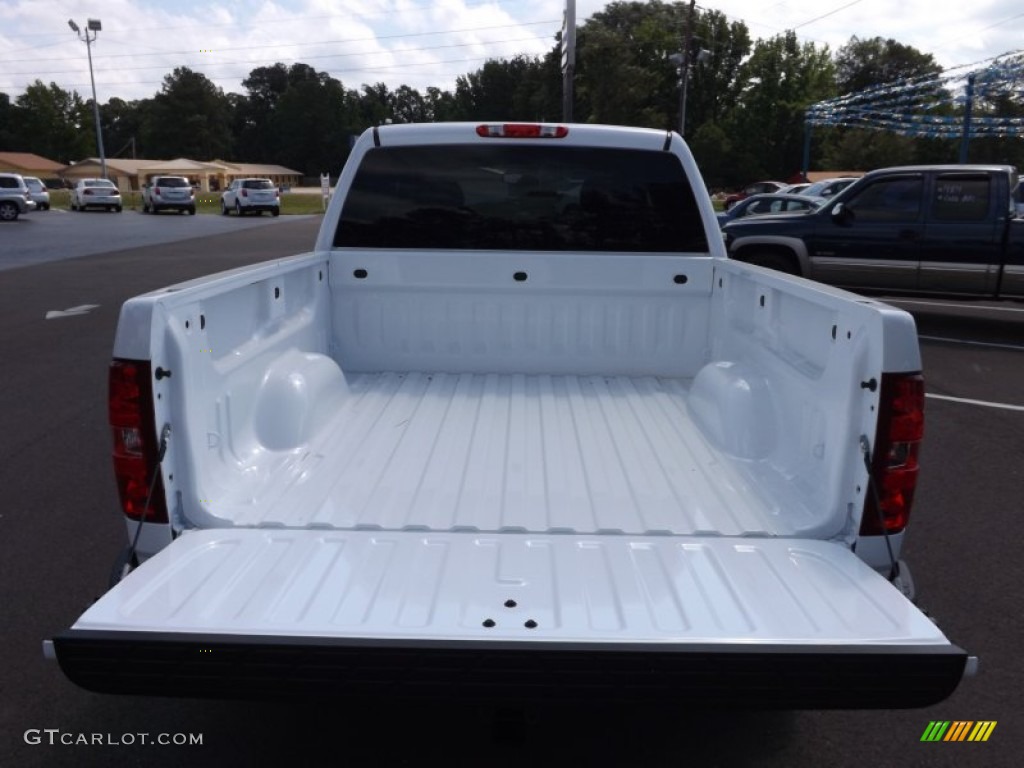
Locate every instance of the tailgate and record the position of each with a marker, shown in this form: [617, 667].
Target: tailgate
[761, 622]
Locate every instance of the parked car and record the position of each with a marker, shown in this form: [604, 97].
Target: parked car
[795, 189]
[251, 195]
[827, 188]
[778, 202]
[168, 193]
[15, 198]
[37, 190]
[95, 193]
[756, 188]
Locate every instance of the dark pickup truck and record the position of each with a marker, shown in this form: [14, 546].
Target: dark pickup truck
[942, 230]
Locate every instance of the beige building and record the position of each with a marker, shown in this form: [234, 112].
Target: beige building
[210, 176]
[124, 173]
[29, 164]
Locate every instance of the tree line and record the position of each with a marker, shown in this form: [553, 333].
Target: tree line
[744, 119]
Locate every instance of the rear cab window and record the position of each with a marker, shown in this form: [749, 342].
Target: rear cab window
[257, 184]
[507, 197]
[172, 181]
[962, 197]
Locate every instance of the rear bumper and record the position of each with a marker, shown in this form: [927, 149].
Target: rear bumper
[756, 676]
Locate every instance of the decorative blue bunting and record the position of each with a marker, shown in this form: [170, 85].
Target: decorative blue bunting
[905, 106]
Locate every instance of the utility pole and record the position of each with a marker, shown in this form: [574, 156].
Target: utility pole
[687, 44]
[568, 58]
[965, 138]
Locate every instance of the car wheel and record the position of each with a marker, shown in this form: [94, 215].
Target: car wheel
[118, 208]
[276, 212]
[8, 212]
[238, 208]
[223, 209]
[73, 208]
[192, 211]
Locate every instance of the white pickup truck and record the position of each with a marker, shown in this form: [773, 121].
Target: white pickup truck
[516, 427]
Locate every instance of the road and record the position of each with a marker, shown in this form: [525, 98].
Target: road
[59, 234]
[60, 529]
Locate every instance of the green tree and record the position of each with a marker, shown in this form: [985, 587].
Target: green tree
[713, 150]
[8, 135]
[862, 64]
[715, 83]
[54, 123]
[624, 75]
[122, 124]
[780, 80]
[311, 124]
[190, 117]
[502, 89]
[409, 106]
[440, 105]
[251, 117]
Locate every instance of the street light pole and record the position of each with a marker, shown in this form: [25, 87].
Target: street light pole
[94, 26]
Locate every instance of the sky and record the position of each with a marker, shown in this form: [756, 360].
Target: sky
[419, 43]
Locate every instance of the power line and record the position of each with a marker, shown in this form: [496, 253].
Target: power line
[291, 45]
[304, 57]
[826, 15]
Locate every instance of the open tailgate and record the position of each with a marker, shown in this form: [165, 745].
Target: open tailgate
[759, 622]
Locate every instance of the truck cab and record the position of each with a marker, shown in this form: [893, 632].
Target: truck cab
[932, 230]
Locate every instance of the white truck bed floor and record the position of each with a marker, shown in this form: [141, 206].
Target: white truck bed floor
[525, 453]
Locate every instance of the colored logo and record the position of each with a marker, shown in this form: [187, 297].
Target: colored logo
[958, 730]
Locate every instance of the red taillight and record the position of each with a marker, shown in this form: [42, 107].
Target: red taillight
[156, 190]
[245, 192]
[130, 401]
[894, 463]
[521, 131]
[86, 191]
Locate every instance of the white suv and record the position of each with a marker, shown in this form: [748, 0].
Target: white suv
[256, 195]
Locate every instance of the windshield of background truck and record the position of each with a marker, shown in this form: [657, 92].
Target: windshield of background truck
[529, 197]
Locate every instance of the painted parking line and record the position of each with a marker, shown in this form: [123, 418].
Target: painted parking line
[953, 304]
[983, 403]
[1018, 347]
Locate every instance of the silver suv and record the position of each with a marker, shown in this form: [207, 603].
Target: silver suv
[169, 193]
[15, 198]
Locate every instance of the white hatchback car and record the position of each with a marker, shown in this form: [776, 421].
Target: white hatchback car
[255, 195]
[95, 193]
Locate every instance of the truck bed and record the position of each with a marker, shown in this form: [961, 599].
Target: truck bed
[504, 452]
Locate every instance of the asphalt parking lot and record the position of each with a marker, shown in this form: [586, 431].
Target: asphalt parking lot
[60, 530]
[57, 234]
